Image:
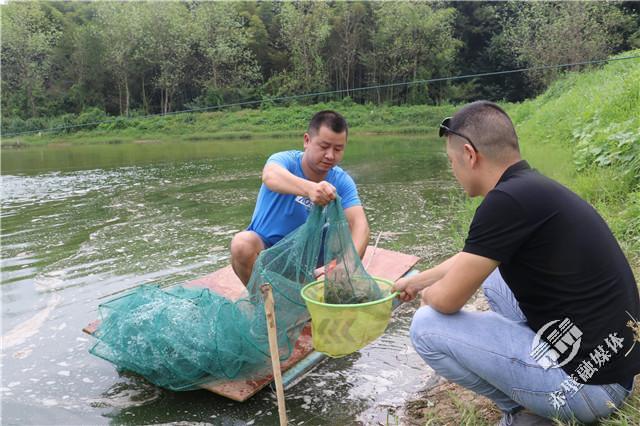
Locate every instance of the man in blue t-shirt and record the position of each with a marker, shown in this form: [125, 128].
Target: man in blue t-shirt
[292, 181]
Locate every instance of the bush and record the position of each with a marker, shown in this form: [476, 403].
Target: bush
[91, 117]
[12, 125]
[115, 124]
[37, 123]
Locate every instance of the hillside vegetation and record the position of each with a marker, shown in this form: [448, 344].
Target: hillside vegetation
[585, 132]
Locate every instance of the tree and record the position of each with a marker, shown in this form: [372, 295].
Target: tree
[223, 40]
[477, 26]
[261, 21]
[305, 29]
[412, 41]
[78, 76]
[167, 46]
[549, 33]
[28, 38]
[347, 41]
[120, 27]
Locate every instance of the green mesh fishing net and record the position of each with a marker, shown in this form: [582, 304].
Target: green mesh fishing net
[182, 337]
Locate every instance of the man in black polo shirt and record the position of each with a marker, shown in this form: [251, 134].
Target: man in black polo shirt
[557, 340]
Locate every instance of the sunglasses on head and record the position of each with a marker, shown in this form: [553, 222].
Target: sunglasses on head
[445, 130]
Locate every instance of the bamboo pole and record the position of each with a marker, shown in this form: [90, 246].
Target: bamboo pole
[269, 308]
[373, 253]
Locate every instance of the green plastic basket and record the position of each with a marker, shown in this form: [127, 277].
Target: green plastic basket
[339, 330]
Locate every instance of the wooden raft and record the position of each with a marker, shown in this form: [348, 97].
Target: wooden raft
[387, 264]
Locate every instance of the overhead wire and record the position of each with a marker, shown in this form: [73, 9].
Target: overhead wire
[324, 93]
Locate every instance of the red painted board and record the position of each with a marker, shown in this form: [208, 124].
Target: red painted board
[379, 262]
[388, 264]
[241, 390]
[224, 282]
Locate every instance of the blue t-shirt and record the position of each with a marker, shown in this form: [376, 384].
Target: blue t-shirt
[276, 215]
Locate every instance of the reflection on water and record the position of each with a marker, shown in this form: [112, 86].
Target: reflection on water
[81, 224]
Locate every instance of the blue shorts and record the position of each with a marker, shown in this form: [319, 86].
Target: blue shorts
[266, 242]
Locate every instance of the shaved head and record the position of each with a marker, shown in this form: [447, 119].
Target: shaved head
[490, 129]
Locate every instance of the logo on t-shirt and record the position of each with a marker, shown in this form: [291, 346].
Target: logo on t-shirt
[305, 201]
[556, 344]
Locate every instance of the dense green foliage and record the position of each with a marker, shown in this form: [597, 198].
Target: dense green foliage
[72, 63]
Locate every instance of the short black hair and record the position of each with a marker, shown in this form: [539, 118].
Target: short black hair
[330, 119]
[489, 126]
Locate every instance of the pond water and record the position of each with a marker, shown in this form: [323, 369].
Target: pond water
[83, 223]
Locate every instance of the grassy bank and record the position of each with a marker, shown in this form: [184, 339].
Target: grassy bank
[585, 132]
[264, 123]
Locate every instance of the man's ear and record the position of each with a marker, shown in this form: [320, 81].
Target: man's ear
[307, 139]
[470, 154]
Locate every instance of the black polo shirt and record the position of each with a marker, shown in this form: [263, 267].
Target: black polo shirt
[563, 264]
